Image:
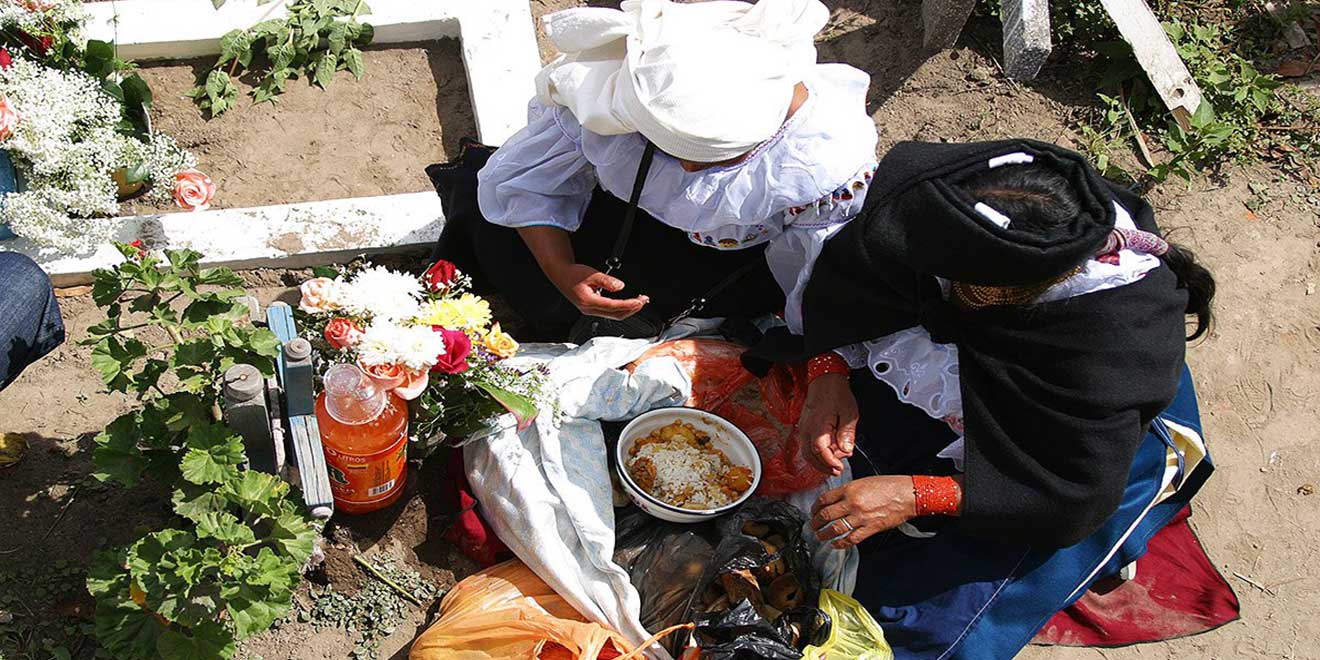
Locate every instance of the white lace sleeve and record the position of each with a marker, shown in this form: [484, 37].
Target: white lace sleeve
[922, 372]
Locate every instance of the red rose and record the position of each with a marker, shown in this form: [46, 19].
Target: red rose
[457, 347]
[441, 275]
[6, 60]
[342, 333]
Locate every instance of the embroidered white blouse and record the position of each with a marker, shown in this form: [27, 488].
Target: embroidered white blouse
[794, 191]
[925, 374]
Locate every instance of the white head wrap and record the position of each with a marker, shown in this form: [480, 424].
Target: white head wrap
[706, 81]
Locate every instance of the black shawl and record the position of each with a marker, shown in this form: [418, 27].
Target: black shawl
[1056, 396]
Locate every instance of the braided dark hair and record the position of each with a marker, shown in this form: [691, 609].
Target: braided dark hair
[1038, 199]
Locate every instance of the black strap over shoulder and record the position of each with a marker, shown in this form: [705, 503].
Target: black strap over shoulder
[615, 262]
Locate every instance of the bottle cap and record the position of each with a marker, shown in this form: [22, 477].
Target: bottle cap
[351, 397]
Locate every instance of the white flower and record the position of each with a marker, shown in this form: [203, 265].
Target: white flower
[386, 342]
[66, 148]
[380, 293]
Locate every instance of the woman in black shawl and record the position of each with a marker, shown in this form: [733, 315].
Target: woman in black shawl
[1014, 328]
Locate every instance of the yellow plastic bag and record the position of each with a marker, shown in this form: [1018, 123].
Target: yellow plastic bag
[855, 634]
[506, 612]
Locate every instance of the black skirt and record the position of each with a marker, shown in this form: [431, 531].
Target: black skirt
[660, 261]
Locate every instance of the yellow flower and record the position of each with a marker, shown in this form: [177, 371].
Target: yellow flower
[500, 343]
[466, 312]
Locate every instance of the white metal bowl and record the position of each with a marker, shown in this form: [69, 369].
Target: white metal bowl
[724, 435]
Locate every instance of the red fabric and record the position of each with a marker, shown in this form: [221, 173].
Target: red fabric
[470, 533]
[1177, 592]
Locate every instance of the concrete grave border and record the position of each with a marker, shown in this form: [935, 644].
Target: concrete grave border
[499, 54]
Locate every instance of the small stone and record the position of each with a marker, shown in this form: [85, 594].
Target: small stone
[1306, 489]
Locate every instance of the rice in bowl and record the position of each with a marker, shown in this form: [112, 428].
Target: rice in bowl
[679, 465]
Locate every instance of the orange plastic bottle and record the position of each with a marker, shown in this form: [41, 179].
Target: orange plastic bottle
[364, 430]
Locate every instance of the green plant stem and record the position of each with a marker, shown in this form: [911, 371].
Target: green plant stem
[383, 578]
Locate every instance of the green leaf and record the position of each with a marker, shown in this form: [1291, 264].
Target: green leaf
[214, 454]
[113, 357]
[199, 502]
[207, 642]
[261, 593]
[257, 492]
[326, 66]
[523, 408]
[122, 627]
[106, 286]
[117, 456]
[337, 38]
[294, 535]
[224, 527]
[354, 62]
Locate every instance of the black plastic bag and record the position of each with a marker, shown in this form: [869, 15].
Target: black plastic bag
[742, 634]
[672, 565]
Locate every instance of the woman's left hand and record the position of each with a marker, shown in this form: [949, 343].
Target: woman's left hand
[869, 505]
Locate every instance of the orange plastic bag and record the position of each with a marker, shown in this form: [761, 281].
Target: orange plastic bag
[506, 612]
[766, 409]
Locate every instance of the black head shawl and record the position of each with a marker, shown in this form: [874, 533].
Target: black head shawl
[1056, 396]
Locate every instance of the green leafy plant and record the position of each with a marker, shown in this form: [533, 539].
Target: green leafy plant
[228, 570]
[318, 38]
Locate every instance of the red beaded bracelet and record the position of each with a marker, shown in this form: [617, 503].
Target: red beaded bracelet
[937, 496]
[826, 363]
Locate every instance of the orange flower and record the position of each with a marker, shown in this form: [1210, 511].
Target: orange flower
[499, 343]
[193, 190]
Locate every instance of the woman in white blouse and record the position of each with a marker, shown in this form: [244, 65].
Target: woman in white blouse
[760, 155]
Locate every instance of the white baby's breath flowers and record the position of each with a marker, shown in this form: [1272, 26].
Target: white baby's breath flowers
[412, 346]
[66, 147]
[19, 14]
[381, 294]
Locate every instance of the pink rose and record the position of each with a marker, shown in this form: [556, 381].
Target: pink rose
[414, 383]
[404, 382]
[8, 119]
[457, 347]
[319, 295]
[441, 275]
[342, 333]
[387, 376]
[193, 190]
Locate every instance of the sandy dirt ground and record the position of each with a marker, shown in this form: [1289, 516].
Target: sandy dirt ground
[1258, 372]
[353, 139]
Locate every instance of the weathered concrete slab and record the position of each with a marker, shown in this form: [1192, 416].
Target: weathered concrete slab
[1027, 42]
[942, 21]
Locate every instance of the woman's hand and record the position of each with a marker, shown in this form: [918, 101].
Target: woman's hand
[582, 285]
[827, 429]
[869, 506]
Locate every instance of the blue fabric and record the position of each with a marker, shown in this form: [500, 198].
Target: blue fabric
[8, 184]
[30, 323]
[957, 596]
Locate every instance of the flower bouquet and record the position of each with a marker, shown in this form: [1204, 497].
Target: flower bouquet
[428, 339]
[75, 122]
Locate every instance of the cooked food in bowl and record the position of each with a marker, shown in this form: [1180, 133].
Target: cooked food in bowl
[679, 465]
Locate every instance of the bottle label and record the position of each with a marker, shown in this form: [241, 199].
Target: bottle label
[357, 479]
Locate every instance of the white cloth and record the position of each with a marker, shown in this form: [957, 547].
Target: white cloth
[809, 177]
[546, 491]
[925, 374]
[705, 82]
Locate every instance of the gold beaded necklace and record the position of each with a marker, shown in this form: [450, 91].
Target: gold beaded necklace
[977, 296]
